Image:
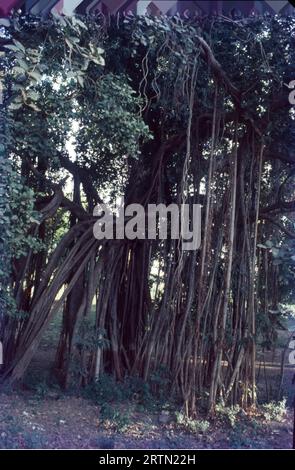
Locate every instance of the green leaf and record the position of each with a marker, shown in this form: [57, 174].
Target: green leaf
[17, 69]
[23, 64]
[98, 60]
[15, 106]
[19, 45]
[68, 42]
[11, 47]
[36, 75]
[80, 80]
[33, 95]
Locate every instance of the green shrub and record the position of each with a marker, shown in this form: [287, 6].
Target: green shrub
[192, 425]
[134, 389]
[104, 390]
[115, 417]
[274, 411]
[228, 414]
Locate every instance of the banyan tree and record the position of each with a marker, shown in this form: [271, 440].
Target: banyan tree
[155, 110]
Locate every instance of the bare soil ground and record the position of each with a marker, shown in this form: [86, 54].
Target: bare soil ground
[71, 422]
[46, 418]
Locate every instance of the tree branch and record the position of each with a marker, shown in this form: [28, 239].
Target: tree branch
[207, 54]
